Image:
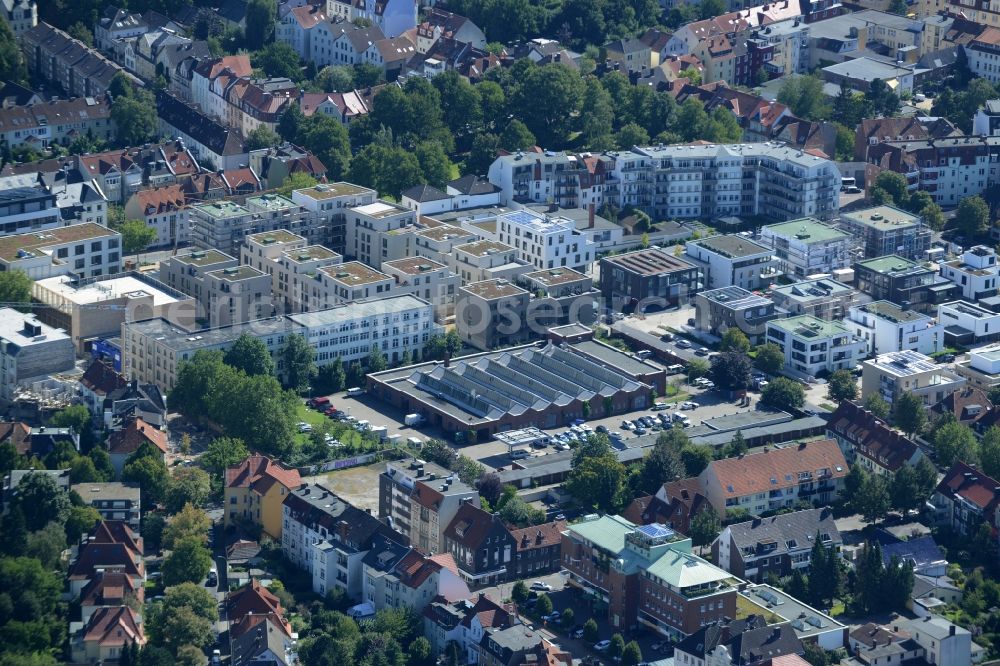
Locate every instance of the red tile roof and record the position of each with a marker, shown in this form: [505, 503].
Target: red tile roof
[137, 432]
[100, 377]
[259, 473]
[972, 485]
[539, 536]
[18, 434]
[110, 589]
[161, 200]
[870, 436]
[252, 604]
[112, 627]
[968, 405]
[752, 473]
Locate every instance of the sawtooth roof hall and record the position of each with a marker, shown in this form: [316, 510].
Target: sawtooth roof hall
[542, 385]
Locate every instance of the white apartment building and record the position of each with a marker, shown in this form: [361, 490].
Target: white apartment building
[375, 232]
[982, 368]
[186, 272]
[570, 181]
[349, 331]
[30, 349]
[393, 17]
[237, 294]
[976, 272]
[886, 327]
[28, 209]
[331, 202]
[968, 323]
[223, 225]
[297, 27]
[165, 210]
[350, 281]
[293, 266]
[437, 242]
[811, 345]
[807, 247]
[892, 374]
[544, 241]
[84, 250]
[733, 260]
[484, 260]
[426, 279]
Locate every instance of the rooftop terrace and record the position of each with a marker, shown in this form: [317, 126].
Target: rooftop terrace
[332, 190]
[354, 273]
[492, 289]
[732, 246]
[807, 326]
[882, 218]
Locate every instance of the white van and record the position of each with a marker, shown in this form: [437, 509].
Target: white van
[643, 354]
[355, 390]
[414, 441]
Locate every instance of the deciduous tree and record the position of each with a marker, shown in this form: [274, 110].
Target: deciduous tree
[249, 354]
[783, 393]
[189, 561]
[842, 386]
[770, 358]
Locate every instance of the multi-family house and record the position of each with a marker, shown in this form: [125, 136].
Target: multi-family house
[342, 43]
[439, 23]
[211, 77]
[68, 63]
[970, 406]
[464, 622]
[215, 144]
[966, 498]
[376, 232]
[652, 278]
[944, 643]
[258, 628]
[777, 545]
[869, 442]
[977, 272]
[874, 131]
[545, 241]
[108, 590]
[113, 500]
[720, 309]
[328, 538]
[807, 247]
[894, 373]
[106, 634]
[254, 492]
[732, 261]
[85, 250]
[111, 547]
[908, 284]
[420, 499]
[537, 550]
[645, 574]
[398, 576]
[56, 122]
[967, 324]
[482, 546]
[21, 15]
[492, 314]
[426, 279]
[130, 436]
[886, 327]
[675, 504]
[745, 641]
[297, 27]
[31, 351]
[163, 209]
[775, 478]
[813, 346]
[393, 17]
[331, 202]
[476, 261]
[822, 298]
[274, 165]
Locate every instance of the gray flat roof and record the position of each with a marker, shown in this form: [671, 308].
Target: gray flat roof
[732, 246]
[172, 337]
[358, 310]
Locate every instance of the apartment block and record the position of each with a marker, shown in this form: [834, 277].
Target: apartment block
[349, 331]
[652, 278]
[982, 368]
[822, 298]
[83, 250]
[351, 281]
[24, 209]
[869, 442]
[492, 314]
[733, 261]
[236, 295]
[562, 296]
[294, 267]
[886, 327]
[545, 241]
[254, 492]
[375, 232]
[776, 478]
[187, 273]
[645, 575]
[906, 283]
[437, 242]
[966, 498]
[976, 272]
[895, 373]
[331, 202]
[484, 260]
[426, 279]
[887, 230]
[67, 63]
[55, 123]
[30, 350]
[807, 247]
[420, 499]
[718, 310]
[569, 181]
[113, 500]
[223, 225]
[966, 324]
[165, 210]
[812, 345]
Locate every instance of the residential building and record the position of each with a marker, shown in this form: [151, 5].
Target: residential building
[631, 54]
[331, 202]
[773, 479]
[108, 591]
[814, 346]
[492, 314]
[398, 576]
[254, 492]
[967, 324]
[14, 478]
[986, 122]
[439, 23]
[21, 15]
[164, 210]
[426, 279]
[982, 367]
[328, 538]
[24, 209]
[887, 230]
[733, 261]
[297, 27]
[482, 546]
[966, 498]
[106, 634]
[777, 545]
[38, 442]
[420, 499]
[67, 63]
[568, 181]
[342, 42]
[154, 349]
[220, 225]
[648, 279]
[886, 327]
[30, 350]
[395, 323]
[57, 122]
[894, 373]
[859, 73]
[113, 500]
[718, 310]
[970, 406]
[977, 272]
[393, 17]
[911, 285]
[537, 550]
[111, 547]
[237, 295]
[645, 574]
[545, 241]
[187, 273]
[476, 261]
[84, 250]
[869, 442]
[741, 642]
[258, 629]
[519, 644]
[465, 622]
[472, 191]
[293, 266]
[874, 131]
[944, 643]
[426, 200]
[804, 248]
[275, 165]
[982, 51]
[675, 504]
[822, 298]
[132, 435]
[561, 296]
[375, 232]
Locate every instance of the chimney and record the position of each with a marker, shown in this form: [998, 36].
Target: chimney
[951, 630]
[447, 360]
[342, 528]
[590, 215]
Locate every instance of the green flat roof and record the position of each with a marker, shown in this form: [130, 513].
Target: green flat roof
[882, 218]
[222, 209]
[606, 532]
[809, 326]
[203, 258]
[272, 202]
[807, 229]
[892, 263]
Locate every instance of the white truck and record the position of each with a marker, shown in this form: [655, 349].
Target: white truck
[413, 419]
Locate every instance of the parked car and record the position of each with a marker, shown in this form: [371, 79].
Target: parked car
[539, 585]
[689, 405]
[577, 632]
[660, 406]
[640, 431]
[520, 454]
[702, 351]
[213, 579]
[552, 617]
[602, 428]
[683, 344]
[601, 646]
[304, 427]
[626, 425]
